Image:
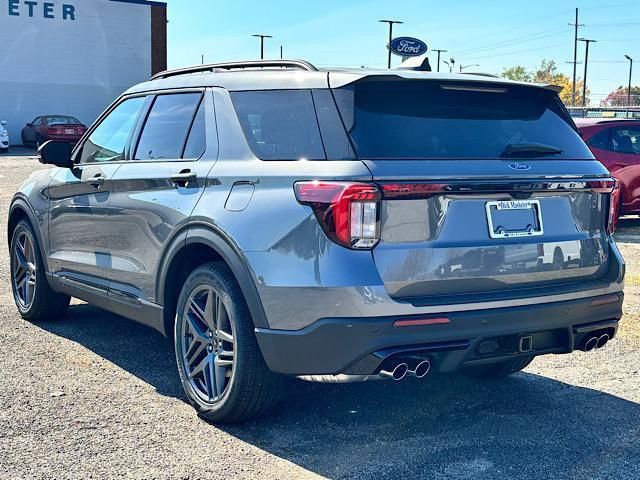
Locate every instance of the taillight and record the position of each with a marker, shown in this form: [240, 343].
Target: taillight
[55, 131]
[614, 203]
[347, 212]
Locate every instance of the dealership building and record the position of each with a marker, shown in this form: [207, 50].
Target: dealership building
[74, 57]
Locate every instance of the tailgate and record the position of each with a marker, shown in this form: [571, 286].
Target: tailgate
[463, 233]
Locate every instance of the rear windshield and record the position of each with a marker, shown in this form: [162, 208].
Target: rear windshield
[62, 121]
[428, 119]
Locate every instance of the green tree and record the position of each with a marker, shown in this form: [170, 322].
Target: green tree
[517, 72]
[547, 73]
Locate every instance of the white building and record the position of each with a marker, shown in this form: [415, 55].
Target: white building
[75, 57]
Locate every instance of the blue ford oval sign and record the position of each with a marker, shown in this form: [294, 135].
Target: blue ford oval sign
[519, 166]
[408, 47]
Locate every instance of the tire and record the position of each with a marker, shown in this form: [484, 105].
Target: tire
[498, 370]
[35, 299]
[219, 391]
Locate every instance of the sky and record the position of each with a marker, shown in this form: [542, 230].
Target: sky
[492, 33]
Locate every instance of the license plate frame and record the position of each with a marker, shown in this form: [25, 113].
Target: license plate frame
[495, 231]
[69, 131]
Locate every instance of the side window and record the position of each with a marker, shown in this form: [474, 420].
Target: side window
[625, 140]
[280, 124]
[36, 121]
[106, 143]
[196, 143]
[164, 133]
[600, 139]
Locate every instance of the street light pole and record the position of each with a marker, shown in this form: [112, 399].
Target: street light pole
[439, 52]
[261, 37]
[586, 61]
[462, 67]
[629, 91]
[390, 22]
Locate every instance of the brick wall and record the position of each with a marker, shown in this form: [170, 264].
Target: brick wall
[158, 38]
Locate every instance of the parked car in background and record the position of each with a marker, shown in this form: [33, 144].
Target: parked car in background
[52, 127]
[4, 136]
[335, 226]
[615, 142]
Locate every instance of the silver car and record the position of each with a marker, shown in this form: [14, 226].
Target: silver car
[277, 220]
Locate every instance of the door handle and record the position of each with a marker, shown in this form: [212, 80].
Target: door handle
[183, 178]
[97, 180]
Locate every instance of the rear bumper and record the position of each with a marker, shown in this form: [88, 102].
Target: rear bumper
[360, 346]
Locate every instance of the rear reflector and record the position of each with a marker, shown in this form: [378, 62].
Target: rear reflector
[604, 300]
[414, 322]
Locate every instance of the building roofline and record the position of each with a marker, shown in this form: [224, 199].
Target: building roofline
[143, 2]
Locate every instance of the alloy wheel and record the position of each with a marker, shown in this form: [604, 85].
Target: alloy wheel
[207, 344]
[24, 270]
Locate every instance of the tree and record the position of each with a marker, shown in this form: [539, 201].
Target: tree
[618, 98]
[547, 73]
[518, 73]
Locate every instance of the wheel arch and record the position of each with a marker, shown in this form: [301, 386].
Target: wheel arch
[194, 245]
[21, 210]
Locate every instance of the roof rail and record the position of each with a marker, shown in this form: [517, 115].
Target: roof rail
[212, 67]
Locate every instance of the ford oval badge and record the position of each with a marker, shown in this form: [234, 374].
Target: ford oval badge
[519, 166]
[408, 47]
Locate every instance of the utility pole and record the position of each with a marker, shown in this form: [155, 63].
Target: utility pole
[575, 58]
[261, 37]
[390, 22]
[629, 91]
[280, 52]
[439, 52]
[586, 61]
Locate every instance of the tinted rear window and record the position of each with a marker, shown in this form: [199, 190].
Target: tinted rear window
[280, 124]
[427, 119]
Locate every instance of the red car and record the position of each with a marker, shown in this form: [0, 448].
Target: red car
[52, 127]
[615, 142]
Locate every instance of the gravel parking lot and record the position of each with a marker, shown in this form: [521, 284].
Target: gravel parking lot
[97, 396]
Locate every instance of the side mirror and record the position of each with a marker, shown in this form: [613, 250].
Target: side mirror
[29, 124]
[56, 152]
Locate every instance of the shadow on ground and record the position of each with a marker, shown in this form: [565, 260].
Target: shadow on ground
[18, 151]
[526, 426]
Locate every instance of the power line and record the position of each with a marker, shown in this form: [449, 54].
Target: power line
[514, 41]
[506, 54]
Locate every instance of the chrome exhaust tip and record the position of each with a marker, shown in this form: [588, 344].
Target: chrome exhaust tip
[398, 373]
[602, 340]
[591, 344]
[422, 369]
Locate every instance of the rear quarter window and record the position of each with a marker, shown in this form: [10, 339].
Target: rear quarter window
[279, 124]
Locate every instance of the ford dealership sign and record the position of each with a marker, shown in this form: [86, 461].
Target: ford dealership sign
[408, 47]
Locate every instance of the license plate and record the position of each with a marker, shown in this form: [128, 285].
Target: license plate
[69, 131]
[514, 218]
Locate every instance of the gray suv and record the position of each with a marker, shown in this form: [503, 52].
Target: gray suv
[276, 220]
